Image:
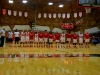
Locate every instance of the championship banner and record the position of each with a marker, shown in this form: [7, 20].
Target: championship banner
[25, 14]
[63, 15]
[45, 15]
[14, 13]
[49, 15]
[54, 15]
[4, 11]
[59, 15]
[9, 12]
[20, 13]
[39, 15]
[68, 15]
[67, 25]
[75, 15]
[80, 14]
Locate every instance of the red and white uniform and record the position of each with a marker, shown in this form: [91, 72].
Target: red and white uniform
[40, 35]
[50, 38]
[87, 37]
[45, 35]
[75, 37]
[62, 37]
[80, 38]
[68, 36]
[27, 36]
[22, 36]
[57, 36]
[31, 36]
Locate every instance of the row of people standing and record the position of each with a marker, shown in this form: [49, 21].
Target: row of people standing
[45, 37]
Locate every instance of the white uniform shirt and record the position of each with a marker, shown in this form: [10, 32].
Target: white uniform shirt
[16, 34]
[2, 32]
[80, 35]
[10, 34]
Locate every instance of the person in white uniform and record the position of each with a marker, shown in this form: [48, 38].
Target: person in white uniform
[80, 40]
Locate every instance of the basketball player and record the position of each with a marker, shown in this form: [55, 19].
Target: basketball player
[27, 37]
[17, 36]
[10, 37]
[68, 38]
[63, 40]
[40, 36]
[36, 39]
[75, 37]
[80, 40]
[57, 36]
[31, 38]
[45, 37]
[50, 39]
[23, 37]
[87, 39]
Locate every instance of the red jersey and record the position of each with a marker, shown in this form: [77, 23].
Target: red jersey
[75, 36]
[40, 35]
[57, 36]
[45, 35]
[87, 36]
[68, 35]
[50, 36]
[31, 35]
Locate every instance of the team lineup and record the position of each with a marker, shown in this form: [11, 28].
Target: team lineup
[46, 39]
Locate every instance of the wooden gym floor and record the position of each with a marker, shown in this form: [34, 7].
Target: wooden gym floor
[79, 65]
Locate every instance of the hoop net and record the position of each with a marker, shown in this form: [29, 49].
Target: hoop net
[88, 10]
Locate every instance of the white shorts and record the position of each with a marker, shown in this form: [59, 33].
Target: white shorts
[45, 39]
[80, 40]
[40, 39]
[74, 40]
[50, 40]
[68, 39]
[22, 38]
[87, 40]
[63, 39]
[27, 38]
[57, 41]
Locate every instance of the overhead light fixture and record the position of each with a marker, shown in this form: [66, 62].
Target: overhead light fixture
[10, 1]
[50, 3]
[61, 5]
[24, 1]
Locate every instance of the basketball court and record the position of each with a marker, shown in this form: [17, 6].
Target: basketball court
[26, 60]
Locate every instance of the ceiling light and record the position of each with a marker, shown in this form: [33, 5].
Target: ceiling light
[24, 1]
[50, 3]
[61, 5]
[10, 1]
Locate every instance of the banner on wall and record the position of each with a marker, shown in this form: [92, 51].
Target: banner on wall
[67, 25]
[45, 15]
[68, 15]
[63, 15]
[14, 13]
[54, 15]
[80, 14]
[20, 13]
[4, 11]
[25, 14]
[49, 15]
[75, 15]
[59, 15]
[9, 12]
[39, 15]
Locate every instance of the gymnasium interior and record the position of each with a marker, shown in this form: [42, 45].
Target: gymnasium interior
[54, 16]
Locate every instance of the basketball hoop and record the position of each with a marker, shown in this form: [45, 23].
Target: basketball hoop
[88, 10]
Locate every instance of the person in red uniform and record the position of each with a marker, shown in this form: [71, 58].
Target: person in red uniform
[45, 37]
[68, 38]
[75, 38]
[50, 36]
[57, 36]
[87, 39]
[40, 36]
[31, 37]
